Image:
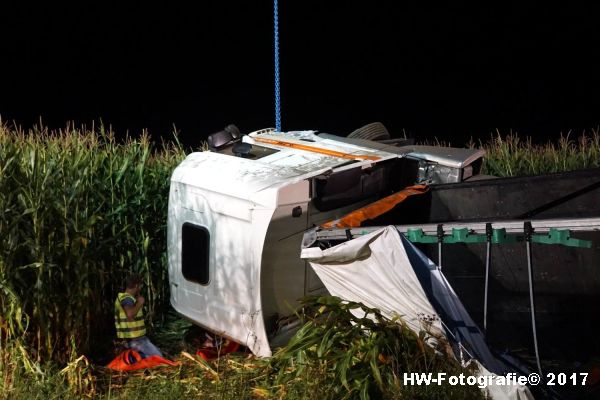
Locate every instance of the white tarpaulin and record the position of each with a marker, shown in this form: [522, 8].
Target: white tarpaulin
[375, 270]
[383, 270]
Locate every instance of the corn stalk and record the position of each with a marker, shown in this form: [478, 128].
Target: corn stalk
[79, 212]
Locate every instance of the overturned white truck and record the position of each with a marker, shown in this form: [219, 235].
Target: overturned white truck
[237, 216]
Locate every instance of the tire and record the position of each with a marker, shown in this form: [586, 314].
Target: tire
[372, 131]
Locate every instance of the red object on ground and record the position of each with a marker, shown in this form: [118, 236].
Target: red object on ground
[131, 360]
[210, 353]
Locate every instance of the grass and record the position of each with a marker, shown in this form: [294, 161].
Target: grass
[80, 210]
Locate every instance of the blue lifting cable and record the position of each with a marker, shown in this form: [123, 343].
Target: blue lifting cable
[277, 97]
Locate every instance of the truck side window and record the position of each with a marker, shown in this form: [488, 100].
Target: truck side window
[195, 247]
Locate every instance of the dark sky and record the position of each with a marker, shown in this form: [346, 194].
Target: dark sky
[450, 72]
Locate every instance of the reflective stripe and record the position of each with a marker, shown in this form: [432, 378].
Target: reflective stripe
[128, 329]
[119, 319]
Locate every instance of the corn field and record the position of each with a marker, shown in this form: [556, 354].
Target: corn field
[79, 211]
[510, 155]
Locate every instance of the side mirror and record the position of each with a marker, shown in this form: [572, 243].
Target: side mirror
[220, 139]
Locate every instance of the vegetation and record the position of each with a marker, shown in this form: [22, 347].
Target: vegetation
[79, 210]
[512, 156]
[331, 357]
[347, 350]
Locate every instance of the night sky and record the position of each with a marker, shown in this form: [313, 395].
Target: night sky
[451, 72]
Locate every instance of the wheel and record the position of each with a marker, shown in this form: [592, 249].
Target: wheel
[372, 131]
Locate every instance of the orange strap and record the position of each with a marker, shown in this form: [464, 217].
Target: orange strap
[328, 152]
[374, 210]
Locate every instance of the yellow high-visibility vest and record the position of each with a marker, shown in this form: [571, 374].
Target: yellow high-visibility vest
[128, 329]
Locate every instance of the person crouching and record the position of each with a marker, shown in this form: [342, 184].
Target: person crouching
[129, 318]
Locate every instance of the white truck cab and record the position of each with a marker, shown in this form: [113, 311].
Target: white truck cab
[237, 216]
